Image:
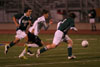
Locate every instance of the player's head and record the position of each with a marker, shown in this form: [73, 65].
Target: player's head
[72, 15]
[28, 11]
[45, 13]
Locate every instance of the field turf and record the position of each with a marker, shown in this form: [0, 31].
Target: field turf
[86, 57]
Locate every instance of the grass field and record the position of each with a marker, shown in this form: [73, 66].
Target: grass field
[86, 57]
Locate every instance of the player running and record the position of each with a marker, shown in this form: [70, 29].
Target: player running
[24, 20]
[33, 39]
[61, 35]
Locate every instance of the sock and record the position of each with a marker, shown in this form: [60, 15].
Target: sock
[11, 44]
[69, 51]
[94, 27]
[43, 49]
[24, 51]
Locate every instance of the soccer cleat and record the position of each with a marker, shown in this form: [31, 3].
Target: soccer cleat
[6, 48]
[71, 57]
[30, 54]
[23, 57]
[38, 53]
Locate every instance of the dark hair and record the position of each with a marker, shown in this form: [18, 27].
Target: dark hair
[26, 9]
[72, 15]
[45, 12]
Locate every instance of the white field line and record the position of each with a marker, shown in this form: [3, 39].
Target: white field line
[50, 63]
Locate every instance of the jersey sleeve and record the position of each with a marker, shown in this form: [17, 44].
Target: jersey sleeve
[18, 16]
[45, 25]
[72, 23]
[59, 24]
[73, 26]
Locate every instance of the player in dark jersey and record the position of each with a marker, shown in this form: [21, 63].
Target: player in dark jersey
[22, 21]
[61, 35]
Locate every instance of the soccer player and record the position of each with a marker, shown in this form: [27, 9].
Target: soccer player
[33, 39]
[22, 21]
[61, 35]
[92, 16]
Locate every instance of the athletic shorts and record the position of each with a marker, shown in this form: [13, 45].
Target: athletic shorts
[65, 38]
[20, 34]
[57, 37]
[60, 37]
[92, 20]
[34, 39]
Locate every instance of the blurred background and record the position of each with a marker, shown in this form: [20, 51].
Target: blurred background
[57, 8]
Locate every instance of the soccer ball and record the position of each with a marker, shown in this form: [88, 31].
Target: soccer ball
[85, 43]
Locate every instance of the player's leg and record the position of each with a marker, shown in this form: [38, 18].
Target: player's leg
[7, 46]
[25, 50]
[70, 44]
[32, 42]
[36, 42]
[42, 50]
[17, 38]
[57, 39]
[19, 35]
[94, 27]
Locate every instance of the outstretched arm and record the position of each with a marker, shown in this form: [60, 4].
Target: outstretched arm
[46, 26]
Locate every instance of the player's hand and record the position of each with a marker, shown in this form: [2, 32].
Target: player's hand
[51, 21]
[89, 15]
[17, 25]
[75, 29]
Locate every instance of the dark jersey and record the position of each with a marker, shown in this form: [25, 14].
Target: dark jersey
[66, 24]
[93, 13]
[23, 21]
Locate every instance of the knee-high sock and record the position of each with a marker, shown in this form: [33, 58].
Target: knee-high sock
[11, 44]
[69, 51]
[43, 49]
[24, 51]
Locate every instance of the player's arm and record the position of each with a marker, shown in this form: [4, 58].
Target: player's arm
[73, 26]
[46, 26]
[15, 17]
[15, 21]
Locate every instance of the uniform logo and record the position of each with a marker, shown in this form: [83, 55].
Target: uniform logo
[24, 21]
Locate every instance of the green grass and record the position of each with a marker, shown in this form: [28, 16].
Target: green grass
[86, 57]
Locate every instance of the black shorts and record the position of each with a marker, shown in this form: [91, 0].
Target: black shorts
[34, 39]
